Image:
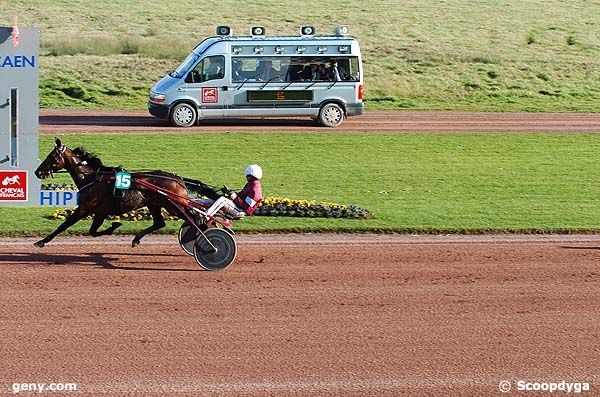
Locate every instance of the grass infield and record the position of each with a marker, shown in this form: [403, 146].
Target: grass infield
[412, 183]
[486, 55]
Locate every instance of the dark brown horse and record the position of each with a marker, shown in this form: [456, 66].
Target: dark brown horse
[96, 184]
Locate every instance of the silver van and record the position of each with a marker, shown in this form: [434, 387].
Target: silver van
[320, 77]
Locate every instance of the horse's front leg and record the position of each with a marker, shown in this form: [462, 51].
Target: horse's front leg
[158, 223]
[98, 220]
[70, 221]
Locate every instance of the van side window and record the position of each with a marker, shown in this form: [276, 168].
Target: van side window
[294, 69]
[209, 68]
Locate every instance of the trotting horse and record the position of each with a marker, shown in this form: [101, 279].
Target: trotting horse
[96, 191]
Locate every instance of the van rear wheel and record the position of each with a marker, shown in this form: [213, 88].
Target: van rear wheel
[331, 115]
[183, 115]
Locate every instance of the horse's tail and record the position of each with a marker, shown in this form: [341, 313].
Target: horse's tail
[196, 186]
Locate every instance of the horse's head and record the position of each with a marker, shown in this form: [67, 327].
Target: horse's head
[54, 161]
[61, 157]
[78, 162]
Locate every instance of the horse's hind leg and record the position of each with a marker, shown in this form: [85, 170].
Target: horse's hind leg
[70, 221]
[158, 223]
[98, 220]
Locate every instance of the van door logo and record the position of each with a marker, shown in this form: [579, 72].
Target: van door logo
[13, 185]
[210, 95]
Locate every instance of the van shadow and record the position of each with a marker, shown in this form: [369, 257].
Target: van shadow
[148, 121]
[580, 247]
[260, 122]
[96, 259]
[101, 120]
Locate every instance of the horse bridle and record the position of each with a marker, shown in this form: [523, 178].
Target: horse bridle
[59, 153]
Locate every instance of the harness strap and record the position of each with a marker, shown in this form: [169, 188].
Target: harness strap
[159, 189]
[182, 200]
[86, 186]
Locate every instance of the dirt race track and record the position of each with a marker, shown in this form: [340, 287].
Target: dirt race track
[84, 121]
[302, 316]
[305, 315]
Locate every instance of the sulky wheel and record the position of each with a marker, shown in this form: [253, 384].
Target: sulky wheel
[219, 254]
[187, 237]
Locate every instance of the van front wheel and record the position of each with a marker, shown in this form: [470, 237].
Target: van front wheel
[183, 115]
[331, 115]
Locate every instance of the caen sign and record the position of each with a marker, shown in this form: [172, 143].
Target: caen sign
[17, 61]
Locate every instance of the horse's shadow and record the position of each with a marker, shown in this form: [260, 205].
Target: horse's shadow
[96, 259]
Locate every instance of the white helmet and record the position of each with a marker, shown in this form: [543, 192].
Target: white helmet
[254, 170]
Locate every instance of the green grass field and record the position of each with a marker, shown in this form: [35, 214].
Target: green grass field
[452, 55]
[456, 183]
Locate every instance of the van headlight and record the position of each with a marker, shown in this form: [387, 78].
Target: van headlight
[156, 97]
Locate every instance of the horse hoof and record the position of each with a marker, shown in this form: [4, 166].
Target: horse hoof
[135, 243]
[116, 225]
[39, 244]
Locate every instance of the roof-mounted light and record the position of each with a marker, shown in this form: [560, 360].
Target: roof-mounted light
[258, 50]
[343, 49]
[258, 31]
[308, 31]
[342, 30]
[223, 31]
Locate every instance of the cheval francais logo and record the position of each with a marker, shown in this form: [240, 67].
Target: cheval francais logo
[13, 185]
[210, 95]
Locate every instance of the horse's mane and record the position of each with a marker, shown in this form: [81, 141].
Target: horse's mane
[91, 159]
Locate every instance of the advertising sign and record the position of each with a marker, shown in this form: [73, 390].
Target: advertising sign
[13, 185]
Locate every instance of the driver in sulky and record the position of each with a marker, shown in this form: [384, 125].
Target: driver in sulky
[238, 205]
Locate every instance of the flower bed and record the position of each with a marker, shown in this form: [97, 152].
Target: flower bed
[280, 206]
[270, 206]
[58, 186]
[141, 214]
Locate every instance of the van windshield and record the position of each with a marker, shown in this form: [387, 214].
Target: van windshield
[191, 59]
[185, 66]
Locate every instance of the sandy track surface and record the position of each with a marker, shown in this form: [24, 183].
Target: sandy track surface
[82, 121]
[308, 315]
